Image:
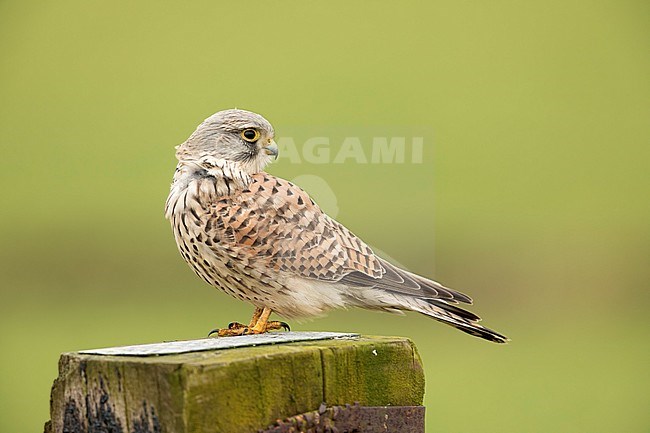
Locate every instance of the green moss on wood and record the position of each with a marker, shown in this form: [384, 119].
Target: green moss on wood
[243, 389]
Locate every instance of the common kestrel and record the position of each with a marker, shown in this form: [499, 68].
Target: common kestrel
[263, 240]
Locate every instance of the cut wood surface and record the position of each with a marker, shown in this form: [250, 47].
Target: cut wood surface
[241, 389]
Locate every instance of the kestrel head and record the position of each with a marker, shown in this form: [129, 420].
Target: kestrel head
[239, 137]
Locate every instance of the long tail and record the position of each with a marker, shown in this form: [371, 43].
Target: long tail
[452, 315]
[401, 290]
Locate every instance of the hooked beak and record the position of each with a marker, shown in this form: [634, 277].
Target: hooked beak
[271, 149]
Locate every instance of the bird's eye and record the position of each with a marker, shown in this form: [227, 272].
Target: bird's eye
[250, 135]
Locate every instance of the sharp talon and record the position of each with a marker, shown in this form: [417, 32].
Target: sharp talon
[260, 324]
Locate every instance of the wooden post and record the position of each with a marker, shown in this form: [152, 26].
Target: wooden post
[269, 383]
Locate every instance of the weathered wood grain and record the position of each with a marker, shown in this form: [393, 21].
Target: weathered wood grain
[235, 390]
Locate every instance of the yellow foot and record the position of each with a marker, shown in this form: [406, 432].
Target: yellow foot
[235, 329]
[259, 324]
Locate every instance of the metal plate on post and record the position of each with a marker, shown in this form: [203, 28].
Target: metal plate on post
[186, 346]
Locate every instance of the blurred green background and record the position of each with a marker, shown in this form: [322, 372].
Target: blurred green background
[533, 195]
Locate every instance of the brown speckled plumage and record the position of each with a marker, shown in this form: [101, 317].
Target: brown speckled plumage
[263, 240]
